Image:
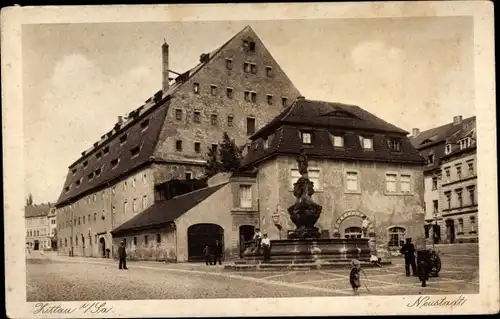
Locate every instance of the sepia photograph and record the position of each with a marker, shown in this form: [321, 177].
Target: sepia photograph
[170, 159]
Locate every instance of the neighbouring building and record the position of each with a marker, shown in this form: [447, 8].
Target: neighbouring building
[38, 226]
[237, 88]
[361, 166]
[450, 181]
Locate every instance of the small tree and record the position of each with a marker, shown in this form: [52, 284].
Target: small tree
[213, 165]
[230, 154]
[29, 200]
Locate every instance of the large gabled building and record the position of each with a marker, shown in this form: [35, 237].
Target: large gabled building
[236, 88]
[450, 179]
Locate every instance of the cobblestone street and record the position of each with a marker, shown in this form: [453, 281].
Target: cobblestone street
[54, 278]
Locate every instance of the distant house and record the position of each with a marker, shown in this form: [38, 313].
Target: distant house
[361, 166]
[38, 226]
[450, 180]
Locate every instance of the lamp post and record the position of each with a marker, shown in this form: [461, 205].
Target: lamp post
[434, 230]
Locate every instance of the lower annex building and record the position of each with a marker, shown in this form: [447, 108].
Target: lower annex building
[361, 166]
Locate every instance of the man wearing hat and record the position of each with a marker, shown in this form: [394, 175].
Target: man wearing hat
[409, 251]
[122, 256]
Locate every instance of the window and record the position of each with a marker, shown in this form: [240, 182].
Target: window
[91, 175]
[125, 185]
[134, 205]
[269, 99]
[135, 151]
[266, 143]
[196, 88]
[472, 224]
[98, 155]
[245, 196]
[78, 182]
[249, 45]
[352, 232]
[145, 124]
[448, 198]
[95, 217]
[114, 163]
[76, 240]
[213, 90]
[269, 71]
[434, 183]
[213, 119]
[447, 172]
[85, 164]
[196, 117]
[125, 207]
[83, 220]
[435, 205]
[472, 196]
[73, 171]
[352, 181]
[123, 139]
[144, 179]
[253, 68]
[135, 241]
[98, 172]
[197, 147]
[306, 138]
[144, 201]
[87, 217]
[250, 126]
[313, 175]
[396, 236]
[464, 143]
[178, 146]
[470, 164]
[394, 145]
[390, 183]
[447, 149]
[214, 148]
[459, 197]
[246, 67]
[158, 238]
[460, 225]
[146, 240]
[246, 96]
[430, 159]
[113, 210]
[188, 175]
[229, 93]
[283, 101]
[253, 96]
[229, 64]
[133, 182]
[230, 120]
[113, 190]
[106, 150]
[459, 171]
[178, 114]
[338, 141]
[405, 183]
[366, 143]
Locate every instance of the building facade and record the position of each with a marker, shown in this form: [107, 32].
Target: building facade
[360, 165]
[38, 226]
[450, 181]
[236, 88]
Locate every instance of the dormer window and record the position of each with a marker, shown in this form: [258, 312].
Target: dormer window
[123, 139]
[447, 149]
[98, 155]
[85, 164]
[464, 143]
[430, 159]
[98, 172]
[196, 88]
[306, 137]
[338, 141]
[366, 142]
[106, 150]
[145, 124]
[394, 145]
[78, 182]
[269, 71]
[266, 143]
[91, 175]
[229, 64]
[135, 151]
[114, 163]
[73, 171]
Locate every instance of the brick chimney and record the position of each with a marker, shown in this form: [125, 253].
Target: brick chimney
[120, 119]
[301, 98]
[164, 51]
[415, 131]
[457, 119]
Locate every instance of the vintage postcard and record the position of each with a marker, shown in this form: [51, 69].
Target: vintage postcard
[250, 160]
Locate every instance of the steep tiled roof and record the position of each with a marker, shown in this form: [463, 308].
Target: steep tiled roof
[132, 128]
[468, 130]
[166, 211]
[322, 119]
[36, 210]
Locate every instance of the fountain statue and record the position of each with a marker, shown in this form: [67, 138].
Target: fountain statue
[305, 212]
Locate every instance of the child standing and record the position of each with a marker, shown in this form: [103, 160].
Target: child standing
[354, 276]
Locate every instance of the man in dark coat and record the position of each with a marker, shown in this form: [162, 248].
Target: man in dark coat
[408, 250]
[122, 255]
[423, 266]
[218, 252]
[206, 252]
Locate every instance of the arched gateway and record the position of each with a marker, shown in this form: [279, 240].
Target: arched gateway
[200, 235]
[348, 225]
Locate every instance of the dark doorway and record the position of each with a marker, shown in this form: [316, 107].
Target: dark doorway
[102, 243]
[450, 231]
[200, 235]
[436, 234]
[37, 245]
[246, 235]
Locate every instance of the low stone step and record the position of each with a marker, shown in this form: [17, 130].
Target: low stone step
[300, 266]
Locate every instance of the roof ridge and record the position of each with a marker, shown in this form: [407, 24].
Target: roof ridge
[197, 190]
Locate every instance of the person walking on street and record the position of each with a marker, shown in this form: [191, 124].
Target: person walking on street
[266, 245]
[408, 250]
[218, 252]
[206, 252]
[423, 267]
[122, 256]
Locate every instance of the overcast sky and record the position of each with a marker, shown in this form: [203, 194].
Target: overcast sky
[77, 78]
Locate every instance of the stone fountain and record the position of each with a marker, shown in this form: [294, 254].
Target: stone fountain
[304, 245]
